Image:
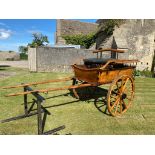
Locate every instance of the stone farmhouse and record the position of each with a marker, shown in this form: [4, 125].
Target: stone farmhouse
[137, 36]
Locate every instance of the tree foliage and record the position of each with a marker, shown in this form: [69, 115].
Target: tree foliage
[80, 39]
[109, 26]
[23, 52]
[38, 40]
[23, 49]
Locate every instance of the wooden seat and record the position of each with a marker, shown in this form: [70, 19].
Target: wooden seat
[95, 61]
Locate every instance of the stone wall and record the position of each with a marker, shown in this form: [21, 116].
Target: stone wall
[138, 36]
[70, 27]
[47, 59]
[10, 56]
[32, 59]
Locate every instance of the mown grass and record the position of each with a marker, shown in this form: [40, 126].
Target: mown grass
[79, 117]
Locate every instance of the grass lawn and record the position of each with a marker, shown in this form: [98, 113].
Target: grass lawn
[79, 117]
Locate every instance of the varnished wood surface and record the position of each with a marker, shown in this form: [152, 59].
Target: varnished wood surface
[36, 83]
[122, 86]
[118, 61]
[99, 76]
[50, 89]
[109, 49]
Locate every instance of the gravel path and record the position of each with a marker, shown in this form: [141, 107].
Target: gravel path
[20, 64]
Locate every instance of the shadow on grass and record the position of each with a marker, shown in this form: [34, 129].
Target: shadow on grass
[95, 95]
[3, 67]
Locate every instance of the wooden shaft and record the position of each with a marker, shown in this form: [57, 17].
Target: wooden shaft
[50, 89]
[109, 49]
[36, 83]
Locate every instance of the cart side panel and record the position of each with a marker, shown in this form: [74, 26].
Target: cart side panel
[97, 76]
[90, 76]
[109, 75]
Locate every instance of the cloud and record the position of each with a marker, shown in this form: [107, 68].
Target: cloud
[5, 34]
[34, 31]
[4, 25]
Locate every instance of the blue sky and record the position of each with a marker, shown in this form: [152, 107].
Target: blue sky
[17, 32]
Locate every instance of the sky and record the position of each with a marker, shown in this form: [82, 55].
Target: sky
[18, 32]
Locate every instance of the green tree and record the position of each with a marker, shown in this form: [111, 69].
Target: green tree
[38, 40]
[23, 50]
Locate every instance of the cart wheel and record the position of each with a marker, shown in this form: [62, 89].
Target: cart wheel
[120, 95]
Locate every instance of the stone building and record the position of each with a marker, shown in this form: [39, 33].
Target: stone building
[137, 36]
[72, 27]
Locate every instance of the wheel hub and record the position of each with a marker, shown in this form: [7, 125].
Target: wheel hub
[123, 96]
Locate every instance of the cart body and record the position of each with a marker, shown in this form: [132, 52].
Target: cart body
[97, 76]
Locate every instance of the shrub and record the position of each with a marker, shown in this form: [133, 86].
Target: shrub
[23, 56]
[137, 73]
[145, 73]
[80, 39]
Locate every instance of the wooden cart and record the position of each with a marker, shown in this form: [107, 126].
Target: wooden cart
[93, 73]
[119, 73]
